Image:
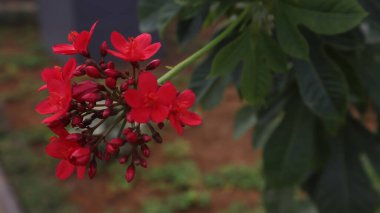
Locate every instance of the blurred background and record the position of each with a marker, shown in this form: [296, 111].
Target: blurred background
[206, 170]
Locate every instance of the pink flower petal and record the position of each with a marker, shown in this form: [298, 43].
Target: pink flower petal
[119, 42]
[133, 98]
[147, 83]
[140, 115]
[64, 170]
[176, 124]
[81, 171]
[142, 40]
[151, 50]
[66, 49]
[167, 93]
[159, 113]
[186, 99]
[118, 55]
[69, 68]
[45, 107]
[190, 118]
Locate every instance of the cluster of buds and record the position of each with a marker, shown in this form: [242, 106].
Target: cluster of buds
[99, 112]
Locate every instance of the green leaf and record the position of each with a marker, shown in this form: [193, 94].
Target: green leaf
[290, 39]
[227, 59]
[156, 14]
[262, 133]
[215, 92]
[321, 16]
[322, 85]
[279, 200]
[343, 185]
[272, 52]
[324, 16]
[244, 120]
[289, 152]
[188, 28]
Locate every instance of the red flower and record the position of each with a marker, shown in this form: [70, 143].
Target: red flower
[135, 49]
[180, 115]
[150, 101]
[72, 156]
[58, 84]
[79, 43]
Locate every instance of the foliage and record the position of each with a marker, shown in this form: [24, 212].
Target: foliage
[308, 71]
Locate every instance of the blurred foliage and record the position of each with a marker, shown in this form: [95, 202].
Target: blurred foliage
[308, 72]
[31, 174]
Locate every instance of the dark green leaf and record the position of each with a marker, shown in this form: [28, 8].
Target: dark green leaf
[289, 37]
[343, 185]
[279, 200]
[227, 59]
[272, 52]
[322, 85]
[244, 120]
[155, 14]
[324, 16]
[188, 28]
[289, 152]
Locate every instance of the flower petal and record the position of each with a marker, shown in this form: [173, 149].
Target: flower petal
[151, 50]
[143, 40]
[147, 83]
[66, 49]
[159, 113]
[64, 170]
[119, 42]
[82, 40]
[93, 28]
[69, 68]
[44, 107]
[133, 98]
[190, 118]
[176, 123]
[186, 99]
[81, 170]
[140, 115]
[167, 93]
[118, 55]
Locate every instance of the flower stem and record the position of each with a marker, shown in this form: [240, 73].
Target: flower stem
[195, 56]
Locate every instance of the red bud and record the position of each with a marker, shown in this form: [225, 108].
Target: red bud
[145, 150]
[91, 97]
[111, 83]
[123, 159]
[130, 173]
[76, 120]
[80, 71]
[92, 72]
[112, 73]
[157, 137]
[153, 64]
[103, 49]
[131, 137]
[143, 163]
[146, 138]
[161, 125]
[109, 102]
[110, 149]
[92, 169]
[111, 65]
[116, 142]
[106, 113]
[80, 156]
[75, 137]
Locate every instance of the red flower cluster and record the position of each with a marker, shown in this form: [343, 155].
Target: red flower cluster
[110, 99]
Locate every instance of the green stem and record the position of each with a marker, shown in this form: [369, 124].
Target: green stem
[195, 56]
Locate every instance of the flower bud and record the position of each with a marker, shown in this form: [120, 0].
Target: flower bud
[111, 83]
[106, 113]
[92, 169]
[80, 70]
[143, 163]
[130, 173]
[108, 102]
[110, 149]
[123, 159]
[145, 150]
[103, 49]
[92, 72]
[146, 138]
[116, 142]
[124, 86]
[129, 118]
[91, 97]
[76, 120]
[157, 137]
[111, 65]
[131, 137]
[153, 64]
[75, 137]
[80, 156]
[130, 81]
[112, 73]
